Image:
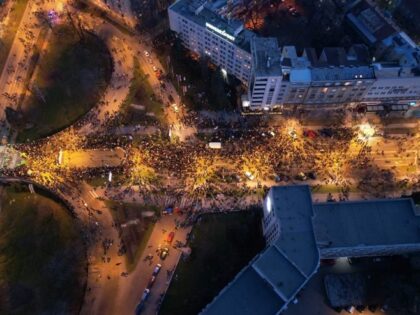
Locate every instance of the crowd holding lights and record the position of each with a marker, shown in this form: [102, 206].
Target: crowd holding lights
[201, 174]
[286, 153]
[138, 169]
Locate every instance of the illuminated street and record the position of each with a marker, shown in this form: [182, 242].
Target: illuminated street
[149, 147]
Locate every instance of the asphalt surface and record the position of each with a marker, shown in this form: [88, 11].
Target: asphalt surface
[15, 71]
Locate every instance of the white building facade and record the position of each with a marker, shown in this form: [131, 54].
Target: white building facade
[278, 77]
[204, 32]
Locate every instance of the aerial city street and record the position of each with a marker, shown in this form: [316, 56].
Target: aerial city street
[209, 157]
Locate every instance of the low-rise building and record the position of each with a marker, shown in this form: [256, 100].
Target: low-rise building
[299, 233]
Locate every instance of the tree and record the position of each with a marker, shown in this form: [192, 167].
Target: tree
[204, 67]
[15, 119]
[218, 93]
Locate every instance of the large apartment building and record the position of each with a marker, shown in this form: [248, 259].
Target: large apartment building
[281, 76]
[203, 31]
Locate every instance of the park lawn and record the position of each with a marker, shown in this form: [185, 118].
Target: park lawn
[9, 32]
[42, 256]
[141, 93]
[135, 237]
[222, 244]
[70, 79]
[102, 180]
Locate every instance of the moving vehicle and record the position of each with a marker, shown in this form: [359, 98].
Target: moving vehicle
[146, 53]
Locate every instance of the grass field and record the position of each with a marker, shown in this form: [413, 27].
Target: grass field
[141, 93]
[222, 244]
[70, 79]
[9, 32]
[42, 257]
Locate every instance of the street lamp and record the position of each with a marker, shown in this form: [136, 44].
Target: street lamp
[367, 131]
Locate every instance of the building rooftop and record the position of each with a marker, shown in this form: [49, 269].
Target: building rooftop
[366, 223]
[248, 293]
[372, 25]
[266, 56]
[202, 13]
[274, 277]
[347, 289]
[342, 73]
[285, 278]
[293, 207]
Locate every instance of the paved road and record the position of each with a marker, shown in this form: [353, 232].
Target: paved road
[103, 275]
[118, 10]
[93, 158]
[119, 86]
[14, 74]
[130, 294]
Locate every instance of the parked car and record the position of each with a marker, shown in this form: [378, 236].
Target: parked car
[151, 282]
[144, 297]
[170, 237]
[157, 269]
[164, 253]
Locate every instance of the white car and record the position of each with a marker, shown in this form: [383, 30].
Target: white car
[146, 53]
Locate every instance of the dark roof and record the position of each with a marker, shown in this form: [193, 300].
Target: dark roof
[310, 53]
[334, 56]
[370, 22]
[359, 53]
